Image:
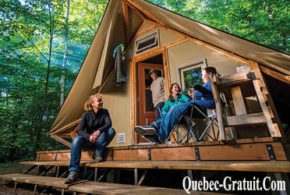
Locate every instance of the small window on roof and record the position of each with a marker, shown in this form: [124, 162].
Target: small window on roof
[147, 42]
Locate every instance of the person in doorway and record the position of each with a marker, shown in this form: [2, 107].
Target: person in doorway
[158, 92]
[203, 98]
[94, 131]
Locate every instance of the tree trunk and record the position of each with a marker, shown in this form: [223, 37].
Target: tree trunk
[38, 129]
[65, 53]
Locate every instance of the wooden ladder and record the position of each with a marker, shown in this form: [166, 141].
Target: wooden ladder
[235, 88]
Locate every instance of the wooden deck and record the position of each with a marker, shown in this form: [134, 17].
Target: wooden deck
[250, 166]
[241, 150]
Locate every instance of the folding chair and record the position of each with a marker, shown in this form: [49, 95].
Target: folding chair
[193, 126]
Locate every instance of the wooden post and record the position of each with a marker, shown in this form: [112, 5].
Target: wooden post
[136, 176]
[146, 12]
[96, 174]
[166, 72]
[218, 106]
[238, 100]
[256, 69]
[126, 20]
[272, 129]
[133, 115]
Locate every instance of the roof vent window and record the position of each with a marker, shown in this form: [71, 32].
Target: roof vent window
[147, 42]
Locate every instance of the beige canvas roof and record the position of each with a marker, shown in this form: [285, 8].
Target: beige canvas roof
[112, 32]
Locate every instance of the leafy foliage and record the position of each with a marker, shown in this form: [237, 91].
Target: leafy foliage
[261, 21]
[25, 27]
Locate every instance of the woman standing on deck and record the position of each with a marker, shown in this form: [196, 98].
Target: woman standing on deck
[95, 130]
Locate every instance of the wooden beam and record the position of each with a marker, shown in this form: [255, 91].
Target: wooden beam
[119, 155]
[126, 20]
[61, 140]
[158, 50]
[246, 119]
[105, 82]
[146, 12]
[247, 151]
[66, 127]
[272, 129]
[217, 100]
[256, 166]
[233, 78]
[182, 153]
[166, 73]
[150, 28]
[276, 75]
[238, 99]
[133, 101]
[136, 11]
[242, 152]
[145, 55]
[258, 74]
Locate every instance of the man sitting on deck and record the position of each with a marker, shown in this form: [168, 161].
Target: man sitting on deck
[202, 97]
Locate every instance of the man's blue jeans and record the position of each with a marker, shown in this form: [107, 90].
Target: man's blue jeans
[167, 122]
[80, 142]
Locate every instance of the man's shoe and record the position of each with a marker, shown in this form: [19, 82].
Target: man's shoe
[98, 158]
[72, 177]
[145, 130]
[151, 138]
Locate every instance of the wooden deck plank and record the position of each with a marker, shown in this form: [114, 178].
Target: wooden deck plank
[114, 189]
[51, 163]
[247, 151]
[181, 153]
[239, 141]
[241, 152]
[140, 154]
[249, 166]
[32, 179]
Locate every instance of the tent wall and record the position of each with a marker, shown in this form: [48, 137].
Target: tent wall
[117, 101]
[188, 53]
[164, 35]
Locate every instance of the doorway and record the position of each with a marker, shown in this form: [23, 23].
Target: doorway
[145, 107]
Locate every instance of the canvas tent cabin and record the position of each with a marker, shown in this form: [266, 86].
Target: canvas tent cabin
[157, 38]
[178, 47]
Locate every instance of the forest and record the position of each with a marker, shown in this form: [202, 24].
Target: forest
[44, 42]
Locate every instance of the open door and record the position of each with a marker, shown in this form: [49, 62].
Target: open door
[145, 104]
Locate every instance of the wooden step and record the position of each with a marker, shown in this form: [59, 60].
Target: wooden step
[112, 188]
[33, 179]
[88, 186]
[250, 166]
[246, 119]
[51, 163]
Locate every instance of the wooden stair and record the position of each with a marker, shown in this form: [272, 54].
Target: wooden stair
[88, 186]
[248, 166]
